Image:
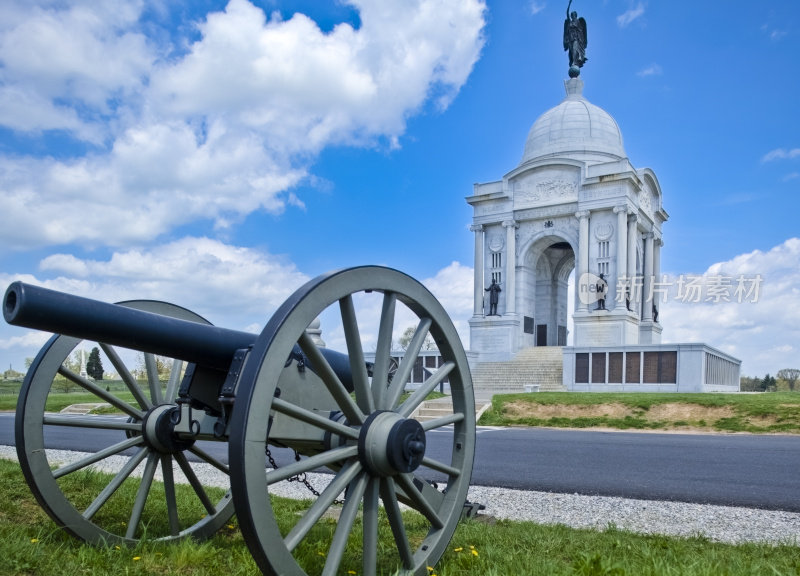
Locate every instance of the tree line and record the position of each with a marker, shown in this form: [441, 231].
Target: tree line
[786, 379]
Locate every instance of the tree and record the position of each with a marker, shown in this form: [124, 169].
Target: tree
[408, 334]
[790, 376]
[768, 383]
[750, 384]
[73, 364]
[94, 366]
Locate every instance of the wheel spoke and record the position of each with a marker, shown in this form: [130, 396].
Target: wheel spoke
[390, 503]
[407, 363]
[369, 544]
[418, 500]
[97, 456]
[100, 393]
[332, 382]
[152, 378]
[440, 467]
[205, 456]
[419, 395]
[311, 463]
[127, 377]
[442, 421]
[313, 418]
[174, 380]
[383, 349]
[169, 495]
[322, 503]
[91, 422]
[344, 526]
[115, 483]
[195, 483]
[356, 353]
[141, 494]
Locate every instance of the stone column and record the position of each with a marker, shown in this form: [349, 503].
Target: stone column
[511, 265]
[583, 250]
[647, 307]
[633, 224]
[657, 243]
[622, 254]
[477, 308]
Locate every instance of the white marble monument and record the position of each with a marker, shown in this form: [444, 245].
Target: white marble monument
[574, 203]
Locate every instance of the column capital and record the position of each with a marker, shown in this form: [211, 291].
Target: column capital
[648, 235]
[510, 224]
[582, 214]
[622, 208]
[476, 228]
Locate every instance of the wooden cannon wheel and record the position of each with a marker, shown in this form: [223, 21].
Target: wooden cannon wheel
[392, 518]
[126, 509]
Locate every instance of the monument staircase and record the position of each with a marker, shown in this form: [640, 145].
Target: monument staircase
[531, 370]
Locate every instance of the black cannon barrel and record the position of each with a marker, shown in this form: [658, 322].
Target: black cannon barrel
[40, 308]
[43, 309]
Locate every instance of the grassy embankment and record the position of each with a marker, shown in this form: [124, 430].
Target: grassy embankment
[755, 413]
[30, 544]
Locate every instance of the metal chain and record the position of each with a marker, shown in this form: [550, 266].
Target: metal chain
[301, 478]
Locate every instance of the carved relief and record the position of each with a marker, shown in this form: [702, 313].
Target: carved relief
[548, 191]
[645, 203]
[603, 231]
[496, 242]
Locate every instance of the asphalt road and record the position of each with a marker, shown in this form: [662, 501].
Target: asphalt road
[736, 470]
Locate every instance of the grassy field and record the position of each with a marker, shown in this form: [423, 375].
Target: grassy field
[755, 413]
[30, 544]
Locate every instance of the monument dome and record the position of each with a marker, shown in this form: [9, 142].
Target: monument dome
[575, 128]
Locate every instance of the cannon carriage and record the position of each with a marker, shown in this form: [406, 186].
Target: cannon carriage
[278, 389]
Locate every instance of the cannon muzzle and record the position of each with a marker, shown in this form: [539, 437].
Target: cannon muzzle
[209, 346]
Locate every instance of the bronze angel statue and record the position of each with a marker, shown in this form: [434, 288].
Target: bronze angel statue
[575, 38]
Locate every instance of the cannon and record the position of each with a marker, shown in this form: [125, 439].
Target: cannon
[391, 505]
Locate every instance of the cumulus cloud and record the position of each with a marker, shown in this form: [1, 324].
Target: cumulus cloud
[781, 154]
[630, 15]
[746, 306]
[226, 128]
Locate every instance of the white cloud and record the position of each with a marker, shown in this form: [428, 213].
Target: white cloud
[763, 333]
[652, 70]
[537, 7]
[781, 154]
[218, 133]
[629, 16]
[452, 286]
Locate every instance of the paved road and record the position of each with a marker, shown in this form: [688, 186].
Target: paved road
[739, 470]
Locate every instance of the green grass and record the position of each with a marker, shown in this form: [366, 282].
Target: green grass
[755, 413]
[31, 544]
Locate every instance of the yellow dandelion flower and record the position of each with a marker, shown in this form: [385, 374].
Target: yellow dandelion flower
[230, 526]
[137, 558]
[430, 568]
[459, 549]
[474, 552]
[351, 572]
[34, 540]
[321, 554]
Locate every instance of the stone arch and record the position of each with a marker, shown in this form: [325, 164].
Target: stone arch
[547, 261]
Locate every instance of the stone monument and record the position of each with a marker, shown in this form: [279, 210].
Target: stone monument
[576, 220]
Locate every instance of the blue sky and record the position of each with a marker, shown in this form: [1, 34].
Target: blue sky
[217, 155]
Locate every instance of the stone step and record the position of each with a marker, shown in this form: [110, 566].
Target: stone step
[532, 369]
[432, 409]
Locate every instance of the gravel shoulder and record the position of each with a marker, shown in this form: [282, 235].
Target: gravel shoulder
[717, 523]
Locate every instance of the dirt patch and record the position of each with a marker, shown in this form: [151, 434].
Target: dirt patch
[547, 411]
[677, 412]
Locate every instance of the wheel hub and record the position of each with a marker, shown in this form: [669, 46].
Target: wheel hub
[390, 444]
[159, 433]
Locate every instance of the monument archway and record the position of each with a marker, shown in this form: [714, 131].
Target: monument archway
[545, 279]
